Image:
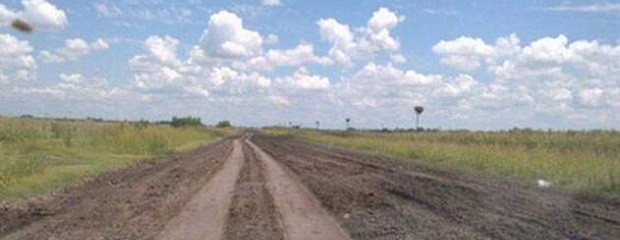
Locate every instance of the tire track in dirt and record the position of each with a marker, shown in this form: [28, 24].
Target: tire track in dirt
[205, 216]
[303, 216]
[252, 197]
[253, 214]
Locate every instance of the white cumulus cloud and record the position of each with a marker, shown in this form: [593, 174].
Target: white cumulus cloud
[348, 46]
[39, 13]
[551, 75]
[226, 37]
[73, 50]
[303, 79]
[16, 62]
[379, 26]
[463, 53]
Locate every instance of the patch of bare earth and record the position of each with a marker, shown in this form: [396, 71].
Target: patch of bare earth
[379, 198]
[130, 203]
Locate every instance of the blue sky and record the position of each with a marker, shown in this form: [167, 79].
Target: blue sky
[472, 64]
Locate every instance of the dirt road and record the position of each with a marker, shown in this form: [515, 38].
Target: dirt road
[262, 187]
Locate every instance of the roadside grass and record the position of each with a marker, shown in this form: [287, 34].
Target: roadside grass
[39, 155]
[580, 160]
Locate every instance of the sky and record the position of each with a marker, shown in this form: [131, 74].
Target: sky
[483, 65]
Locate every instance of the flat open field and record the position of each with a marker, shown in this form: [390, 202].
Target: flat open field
[584, 161]
[267, 187]
[41, 155]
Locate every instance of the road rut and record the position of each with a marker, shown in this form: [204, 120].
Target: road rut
[204, 217]
[302, 214]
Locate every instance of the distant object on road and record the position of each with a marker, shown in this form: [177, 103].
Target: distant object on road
[21, 25]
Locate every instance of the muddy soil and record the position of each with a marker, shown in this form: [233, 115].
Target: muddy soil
[264, 187]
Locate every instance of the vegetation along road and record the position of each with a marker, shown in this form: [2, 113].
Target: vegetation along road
[257, 186]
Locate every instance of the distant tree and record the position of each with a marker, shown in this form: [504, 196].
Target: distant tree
[185, 121]
[347, 121]
[94, 119]
[142, 124]
[318, 124]
[418, 111]
[223, 124]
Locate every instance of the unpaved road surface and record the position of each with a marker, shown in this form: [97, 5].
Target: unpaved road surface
[263, 187]
[205, 215]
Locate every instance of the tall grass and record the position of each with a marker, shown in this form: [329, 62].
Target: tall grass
[581, 160]
[40, 155]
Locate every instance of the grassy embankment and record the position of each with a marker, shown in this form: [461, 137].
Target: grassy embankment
[584, 161]
[37, 156]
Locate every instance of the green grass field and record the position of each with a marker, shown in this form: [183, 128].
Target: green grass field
[585, 161]
[38, 155]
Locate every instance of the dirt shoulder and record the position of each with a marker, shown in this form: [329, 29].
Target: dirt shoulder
[378, 198]
[135, 202]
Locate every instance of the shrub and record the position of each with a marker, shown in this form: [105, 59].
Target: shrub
[185, 121]
[223, 124]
